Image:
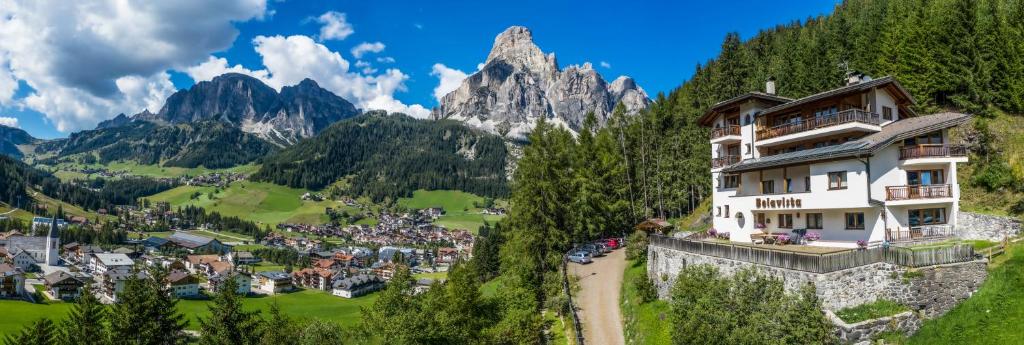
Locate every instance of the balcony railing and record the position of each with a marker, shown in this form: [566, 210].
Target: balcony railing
[932, 191]
[932, 151]
[920, 233]
[811, 123]
[724, 161]
[725, 131]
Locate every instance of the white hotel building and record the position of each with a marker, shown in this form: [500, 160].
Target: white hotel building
[850, 164]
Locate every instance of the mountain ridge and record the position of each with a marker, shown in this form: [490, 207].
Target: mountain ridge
[519, 84]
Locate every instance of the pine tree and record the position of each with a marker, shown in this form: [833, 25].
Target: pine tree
[86, 321]
[279, 329]
[41, 332]
[228, 324]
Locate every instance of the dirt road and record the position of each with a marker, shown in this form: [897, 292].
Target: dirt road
[598, 298]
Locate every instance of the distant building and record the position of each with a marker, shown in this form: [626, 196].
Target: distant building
[194, 243]
[183, 284]
[43, 250]
[63, 285]
[356, 286]
[12, 281]
[104, 262]
[244, 282]
[274, 282]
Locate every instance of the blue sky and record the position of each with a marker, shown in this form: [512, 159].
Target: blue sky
[657, 43]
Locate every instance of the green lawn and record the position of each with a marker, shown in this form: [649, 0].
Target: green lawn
[873, 310]
[15, 314]
[302, 305]
[261, 202]
[264, 266]
[993, 315]
[458, 206]
[644, 323]
[431, 275]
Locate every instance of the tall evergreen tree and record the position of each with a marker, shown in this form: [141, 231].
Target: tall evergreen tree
[86, 322]
[228, 323]
[40, 332]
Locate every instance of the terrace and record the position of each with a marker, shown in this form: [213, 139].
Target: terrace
[918, 192]
[932, 151]
[805, 124]
[729, 133]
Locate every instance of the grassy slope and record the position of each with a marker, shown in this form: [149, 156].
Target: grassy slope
[302, 304]
[993, 315]
[458, 206]
[151, 170]
[52, 204]
[644, 323]
[1008, 132]
[262, 202]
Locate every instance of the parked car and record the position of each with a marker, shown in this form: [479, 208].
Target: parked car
[602, 247]
[594, 250]
[580, 257]
[612, 243]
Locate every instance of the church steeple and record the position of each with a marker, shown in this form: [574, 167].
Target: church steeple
[53, 228]
[53, 242]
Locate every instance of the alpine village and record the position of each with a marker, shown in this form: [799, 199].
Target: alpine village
[853, 177]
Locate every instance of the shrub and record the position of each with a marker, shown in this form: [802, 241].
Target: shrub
[636, 246]
[645, 288]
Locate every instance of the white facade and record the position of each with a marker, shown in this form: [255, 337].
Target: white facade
[755, 193]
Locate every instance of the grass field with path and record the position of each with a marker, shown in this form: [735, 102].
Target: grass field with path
[303, 304]
[460, 212]
[262, 202]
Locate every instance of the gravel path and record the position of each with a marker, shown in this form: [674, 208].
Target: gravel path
[598, 298]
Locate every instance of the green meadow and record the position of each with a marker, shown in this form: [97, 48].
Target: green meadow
[460, 212]
[262, 202]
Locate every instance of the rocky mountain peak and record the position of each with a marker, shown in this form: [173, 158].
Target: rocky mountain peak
[520, 84]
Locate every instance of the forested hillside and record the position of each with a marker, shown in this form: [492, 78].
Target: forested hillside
[381, 155]
[211, 144]
[17, 179]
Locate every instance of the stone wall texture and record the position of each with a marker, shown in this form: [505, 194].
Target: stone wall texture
[932, 291]
[906, 322]
[974, 226]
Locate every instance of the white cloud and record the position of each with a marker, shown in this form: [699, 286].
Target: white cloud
[89, 60]
[605, 64]
[335, 26]
[365, 67]
[288, 60]
[418, 26]
[449, 79]
[9, 121]
[386, 59]
[367, 47]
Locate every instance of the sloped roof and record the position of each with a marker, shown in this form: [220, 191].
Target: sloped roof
[59, 276]
[858, 87]
[114, 259]
[709, 115]
[889, 134]
[189, 240]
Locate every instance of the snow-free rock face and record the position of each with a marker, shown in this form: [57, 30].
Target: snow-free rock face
[519, 84]
[299, 111]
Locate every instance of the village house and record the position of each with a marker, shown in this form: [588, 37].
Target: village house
[113, 282]
[315, 278]
[216, 267]
[243, 258]
[356, 286]
[853, 166]
[274, 282]
[194, 263]
[183, 284]
[197, 244]
[447, 255]
[102, 263]
[244, 282]
[12, 281]
[63, 285]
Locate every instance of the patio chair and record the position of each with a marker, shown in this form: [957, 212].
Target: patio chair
[757, 236]
[798, 236]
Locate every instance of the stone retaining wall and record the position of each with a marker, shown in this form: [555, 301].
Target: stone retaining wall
[974, 226]
[931, 290]
[906, 322]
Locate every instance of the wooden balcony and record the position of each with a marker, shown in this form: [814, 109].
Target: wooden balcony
[724, 161]
[725, 131]
[812, 123]
[933, 191]
[920, 233]
[932, 151]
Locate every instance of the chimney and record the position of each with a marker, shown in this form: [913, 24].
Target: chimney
[769, 86]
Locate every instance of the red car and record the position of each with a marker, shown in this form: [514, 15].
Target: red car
[612, 243]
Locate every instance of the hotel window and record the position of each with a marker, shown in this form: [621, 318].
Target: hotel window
[837, 180]
[789, 185]
[807, 183]
[924, 177]
[730, 181]
[814, 221]
[927, 216]
[726, 211]
[855, 221]
[825, 112]
[760, 218]
[933, 138]
[718, 211]
[768, 187]
[785, 221]
[748, 149]
[886, 113]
